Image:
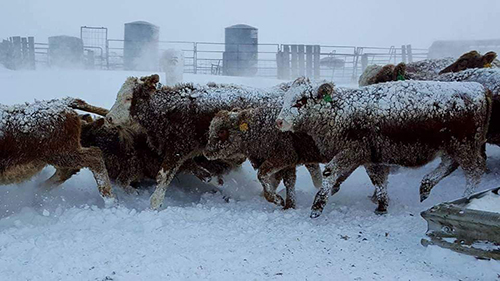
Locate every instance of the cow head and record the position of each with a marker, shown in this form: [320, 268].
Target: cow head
[120, 112]
[301, 96]
[226, 134]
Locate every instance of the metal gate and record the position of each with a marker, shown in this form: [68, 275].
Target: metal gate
[95, 45]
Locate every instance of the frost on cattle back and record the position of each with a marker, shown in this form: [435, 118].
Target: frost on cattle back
[35, 118]
[488, 77]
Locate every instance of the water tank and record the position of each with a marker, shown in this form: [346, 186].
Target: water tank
[141, 46]
[241, 50]
[65, 51]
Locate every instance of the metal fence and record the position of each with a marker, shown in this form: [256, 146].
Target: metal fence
[337, 63]
[343, 64]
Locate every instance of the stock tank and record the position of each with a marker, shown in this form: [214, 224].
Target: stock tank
[140, 48]
[241, 50]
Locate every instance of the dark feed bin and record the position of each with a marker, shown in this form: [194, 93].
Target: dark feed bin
[241, 50]
[141, 46]
[453, 226]
[66, 51]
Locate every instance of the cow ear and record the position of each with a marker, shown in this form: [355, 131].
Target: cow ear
[151, 81]
[325, 92]
[301, 81]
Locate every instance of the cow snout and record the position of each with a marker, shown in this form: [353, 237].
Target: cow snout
[279, 124]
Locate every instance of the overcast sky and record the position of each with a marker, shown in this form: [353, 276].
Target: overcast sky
[342, 22]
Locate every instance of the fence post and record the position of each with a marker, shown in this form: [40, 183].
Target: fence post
[403, 53]
[16, 42]
[317, 53]
[286, 62]
[309, 61]
[24, 52]
[295, 73]
[364, 62]
[410, 54]
[31, 53]
[279, 64]
[301, 61]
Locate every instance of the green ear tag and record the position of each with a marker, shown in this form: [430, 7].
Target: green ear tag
[327, 98]
[401, 77]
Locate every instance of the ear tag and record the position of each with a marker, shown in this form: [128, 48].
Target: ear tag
[487, 65]
[327, 98]
[400, 77]
[243, 127]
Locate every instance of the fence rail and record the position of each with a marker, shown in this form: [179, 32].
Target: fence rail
[339, 63]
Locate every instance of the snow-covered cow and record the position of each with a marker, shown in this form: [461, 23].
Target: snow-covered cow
[48, 133]
[176, 119]
[251, 133]
[406, 123]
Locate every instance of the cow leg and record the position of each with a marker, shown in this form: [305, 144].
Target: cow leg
[166, 174]
[474, 168]
[266, 172]
[316, 176]
[447, 166]
[60, 176]
[87, 158]
[342, 165]
[378, 175]
[289, 179]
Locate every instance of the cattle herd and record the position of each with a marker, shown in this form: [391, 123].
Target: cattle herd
[401, 115]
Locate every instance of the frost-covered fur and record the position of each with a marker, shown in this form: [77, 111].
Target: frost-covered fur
[46, 133]
[172, 63]
[251, 133]
[176, 119]
[406, 123]
[130, 161]
[490, 79]
[420, 70]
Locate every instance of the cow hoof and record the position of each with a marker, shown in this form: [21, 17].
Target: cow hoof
[110, 202]
[380, 212]
[156, 203]
[423, 196]
[315, 214]
[289, 205]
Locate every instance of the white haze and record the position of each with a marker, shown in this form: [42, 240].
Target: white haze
[360, 23]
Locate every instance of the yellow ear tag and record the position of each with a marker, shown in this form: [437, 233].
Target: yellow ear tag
[487, 65]
[243, 127]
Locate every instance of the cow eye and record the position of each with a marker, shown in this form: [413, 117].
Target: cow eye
[223, 135]
[128, 99]
[300, 103]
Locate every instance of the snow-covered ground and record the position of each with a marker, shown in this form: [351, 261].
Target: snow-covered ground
[66, 234]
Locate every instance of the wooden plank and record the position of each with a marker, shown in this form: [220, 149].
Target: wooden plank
[16, 54]
[294, 62]
[302, 64]
[317, 53]
[286, 62]
[309, 61]
[31, 53]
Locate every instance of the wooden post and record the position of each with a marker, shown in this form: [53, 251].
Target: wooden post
[317, 53]
[17, 56]
[403, 53]
[410, 54]
[309, 61]
[24, 52]
[295, 72]
[31, 53]
[286, 62]
[302, 64]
